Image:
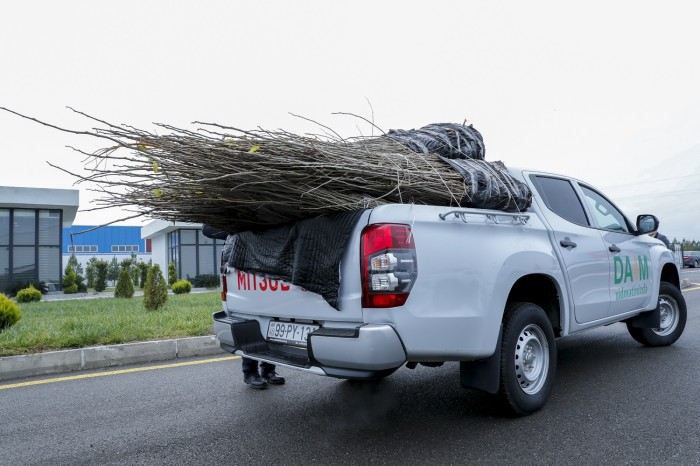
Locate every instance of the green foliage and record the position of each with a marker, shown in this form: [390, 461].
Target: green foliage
[155, 291]
[172, 273]
[9, 312]
[113, 269]
[70, 289]
[181, 286]
[78, 323]
[90, 273]
[143, 272]
[125, 287]
[70, 280]
[101, 272]
[206, 281]
[689, 245]
[28, 295]
[80, 283]
[73, 262]
[13, 289]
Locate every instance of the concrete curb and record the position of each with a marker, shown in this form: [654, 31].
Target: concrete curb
[53, 362]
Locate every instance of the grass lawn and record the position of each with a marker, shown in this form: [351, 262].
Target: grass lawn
[77, 323]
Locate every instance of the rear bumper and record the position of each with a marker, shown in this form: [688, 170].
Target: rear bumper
[363, 352]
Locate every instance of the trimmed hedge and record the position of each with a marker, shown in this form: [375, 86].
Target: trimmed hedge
[9, 312]
[181, 286]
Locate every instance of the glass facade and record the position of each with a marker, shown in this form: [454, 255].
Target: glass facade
[30, 247]
[193, 253]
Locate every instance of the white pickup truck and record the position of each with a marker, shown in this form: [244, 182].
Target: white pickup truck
[422, 284]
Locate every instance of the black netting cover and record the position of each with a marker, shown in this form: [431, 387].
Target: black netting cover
[449, 140]
[306, 253]
[491, 186]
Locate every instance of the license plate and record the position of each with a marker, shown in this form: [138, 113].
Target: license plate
[289, 332]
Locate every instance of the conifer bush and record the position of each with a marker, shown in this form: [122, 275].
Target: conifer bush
[70, 280]
[101, 273]
[125, 287]
[28, 295]
[172, 273]
[155, 291]
[181, 286]
[143, 272]
[9, 312]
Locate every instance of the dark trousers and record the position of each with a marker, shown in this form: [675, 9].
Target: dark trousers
[250, 366]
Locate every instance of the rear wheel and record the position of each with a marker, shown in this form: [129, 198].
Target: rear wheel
[528, 358]
[673, 317]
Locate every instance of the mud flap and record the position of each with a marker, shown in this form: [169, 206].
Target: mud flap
[484, 374]
[650, 319]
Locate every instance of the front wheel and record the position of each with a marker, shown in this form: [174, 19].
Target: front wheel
[528, 358]
[674, 314]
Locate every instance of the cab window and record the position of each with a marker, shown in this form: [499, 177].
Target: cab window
[606, 214]
[561, 198]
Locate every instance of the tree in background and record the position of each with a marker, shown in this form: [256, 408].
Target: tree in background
[73, 261]
[143, 272]
[172, 273]
[113, 270]
[101, 269]
[70, 279]
[125, 287]
[155, 292]
[90, 272]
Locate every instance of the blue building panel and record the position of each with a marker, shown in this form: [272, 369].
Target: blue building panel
[104, 240]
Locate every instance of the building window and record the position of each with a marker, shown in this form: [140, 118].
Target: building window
[125, 248]
[82, 248]
[30, 247]
[193, 253]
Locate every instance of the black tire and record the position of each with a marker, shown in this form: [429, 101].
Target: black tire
[674, 314]
[528, 358]
[696, 264]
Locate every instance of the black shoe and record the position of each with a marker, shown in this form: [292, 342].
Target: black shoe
[255, 381]
[273, 378]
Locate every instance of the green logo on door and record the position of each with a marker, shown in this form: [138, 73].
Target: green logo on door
[630, 269]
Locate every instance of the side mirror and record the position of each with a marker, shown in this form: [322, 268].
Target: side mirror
[647, 223]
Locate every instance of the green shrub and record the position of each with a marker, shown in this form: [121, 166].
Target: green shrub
[28, 295]
[80, 282]
[181, 286]
[90, 273]
[143, 269]
[155, 291]
[206, 281]
[125, 287]
[101, 272]
[14, 288]
[172, 273]
[70, 289]
[70, 280]
[9, 312]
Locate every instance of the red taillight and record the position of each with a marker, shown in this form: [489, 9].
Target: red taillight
[224, 289]
[389, 266]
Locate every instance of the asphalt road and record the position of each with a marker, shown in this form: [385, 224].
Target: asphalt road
[614, 403]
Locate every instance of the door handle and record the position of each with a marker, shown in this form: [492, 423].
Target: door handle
[614, 248]
[567, 243]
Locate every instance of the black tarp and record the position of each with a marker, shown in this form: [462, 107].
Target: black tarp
[306, 253]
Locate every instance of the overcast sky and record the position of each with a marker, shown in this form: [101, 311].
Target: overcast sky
[605, 91]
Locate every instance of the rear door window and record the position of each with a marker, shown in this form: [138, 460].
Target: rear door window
[560, 197]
